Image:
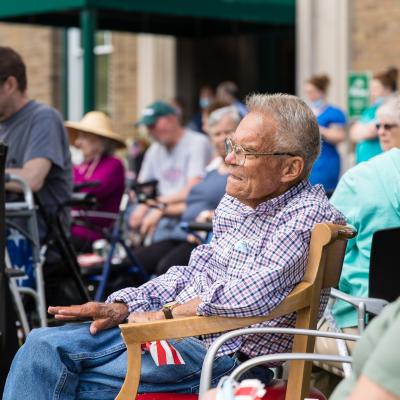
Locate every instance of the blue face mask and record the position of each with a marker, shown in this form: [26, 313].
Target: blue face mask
[204, 102]
[379, 100]
[317, 104]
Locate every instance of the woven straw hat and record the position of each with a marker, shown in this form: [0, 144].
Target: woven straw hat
[96, 123]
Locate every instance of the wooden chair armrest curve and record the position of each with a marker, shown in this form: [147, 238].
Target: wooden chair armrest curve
[199, 325]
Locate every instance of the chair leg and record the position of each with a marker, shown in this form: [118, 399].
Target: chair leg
[300, 371]
[131, 383]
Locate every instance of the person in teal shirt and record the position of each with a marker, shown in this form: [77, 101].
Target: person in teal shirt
[369, 196]
[382, 87]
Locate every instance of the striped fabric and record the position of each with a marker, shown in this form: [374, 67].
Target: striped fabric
[254, 260]
[163, 353]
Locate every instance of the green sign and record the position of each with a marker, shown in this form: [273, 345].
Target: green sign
[357, 92]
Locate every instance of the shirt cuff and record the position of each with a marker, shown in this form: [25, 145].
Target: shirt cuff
[133, 305]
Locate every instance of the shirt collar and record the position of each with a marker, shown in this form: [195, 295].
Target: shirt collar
[272, 206]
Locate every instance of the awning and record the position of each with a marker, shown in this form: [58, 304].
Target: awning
[195, 18]
[174, 17]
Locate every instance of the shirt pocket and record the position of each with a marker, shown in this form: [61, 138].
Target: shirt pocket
[241, 260]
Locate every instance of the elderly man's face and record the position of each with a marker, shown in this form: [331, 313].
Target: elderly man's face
[259, 178]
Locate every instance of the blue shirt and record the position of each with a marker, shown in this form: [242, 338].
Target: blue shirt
[206, 195]
[326, 168]
[368, 195]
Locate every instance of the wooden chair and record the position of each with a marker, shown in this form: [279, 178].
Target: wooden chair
[327, 246]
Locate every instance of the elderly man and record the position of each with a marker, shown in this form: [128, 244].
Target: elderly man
[177, 159]
[262, 229]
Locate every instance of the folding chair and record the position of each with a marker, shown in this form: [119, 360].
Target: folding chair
[383, 279]
[101, 269]
[383, 289]
[277, 389]
[26, 210]
[327, 246]
[384, 276]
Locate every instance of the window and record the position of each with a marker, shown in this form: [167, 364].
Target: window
[103, 49]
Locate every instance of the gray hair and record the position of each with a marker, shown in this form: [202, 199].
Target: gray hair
[216, 116]
[390, 109]
[297, 128]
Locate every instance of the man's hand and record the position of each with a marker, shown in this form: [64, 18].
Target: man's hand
[146, 316]
[205, 216]
[150, 222]
[105, 316]
[137, 215]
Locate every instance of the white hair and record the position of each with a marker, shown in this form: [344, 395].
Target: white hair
[297, 128]
[390, 109]
[217, 115]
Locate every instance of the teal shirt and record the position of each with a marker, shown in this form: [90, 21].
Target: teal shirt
[367, 149]
[369, 197]
[376, 355]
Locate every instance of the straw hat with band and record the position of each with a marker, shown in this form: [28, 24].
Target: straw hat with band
[96, 123]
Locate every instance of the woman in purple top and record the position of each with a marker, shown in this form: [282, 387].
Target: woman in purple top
[94, 137]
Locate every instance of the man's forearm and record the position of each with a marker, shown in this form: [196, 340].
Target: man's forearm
[187, 309]
[181, 195]
[33, 172]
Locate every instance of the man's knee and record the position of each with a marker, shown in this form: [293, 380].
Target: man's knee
[55, 336]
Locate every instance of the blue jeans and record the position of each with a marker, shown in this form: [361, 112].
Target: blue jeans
[67, 362]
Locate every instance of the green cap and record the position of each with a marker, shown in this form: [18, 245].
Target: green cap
[152, 112]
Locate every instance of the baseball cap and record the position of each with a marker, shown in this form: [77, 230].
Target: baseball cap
[155, 110]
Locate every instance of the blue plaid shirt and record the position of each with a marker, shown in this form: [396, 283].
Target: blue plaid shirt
[254, 260]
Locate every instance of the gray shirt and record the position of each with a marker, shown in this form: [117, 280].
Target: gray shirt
[175, 167]
[37, 131]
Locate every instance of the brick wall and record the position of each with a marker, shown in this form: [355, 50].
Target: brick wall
[375, 34]
[123, 82]
[40, 50]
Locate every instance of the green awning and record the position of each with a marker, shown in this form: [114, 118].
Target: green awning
[179, 17]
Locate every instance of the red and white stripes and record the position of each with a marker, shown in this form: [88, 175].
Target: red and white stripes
[163, 353]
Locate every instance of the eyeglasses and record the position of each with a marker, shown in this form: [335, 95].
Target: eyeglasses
[386, 127]
[241, 153]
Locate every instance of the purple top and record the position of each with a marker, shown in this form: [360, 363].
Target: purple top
[110, 173]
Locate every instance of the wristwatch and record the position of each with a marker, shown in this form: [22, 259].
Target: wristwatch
[161, 206]
[167, 309]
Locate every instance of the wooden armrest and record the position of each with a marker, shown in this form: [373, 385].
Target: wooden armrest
[198, 325]
[137, 333]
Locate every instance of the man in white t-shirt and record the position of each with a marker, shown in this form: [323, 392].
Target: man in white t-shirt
[177, 159]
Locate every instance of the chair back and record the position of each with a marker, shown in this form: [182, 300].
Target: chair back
[327, 248]
[384, 276]
[328, 242]
[326, 254]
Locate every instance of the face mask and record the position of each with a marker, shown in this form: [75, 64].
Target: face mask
[379, 100]
[204, 102]
[317, 104]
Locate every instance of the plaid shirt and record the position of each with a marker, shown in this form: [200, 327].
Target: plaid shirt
[256, 257]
